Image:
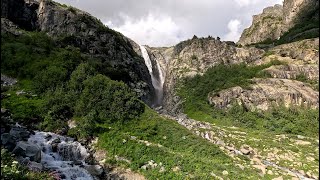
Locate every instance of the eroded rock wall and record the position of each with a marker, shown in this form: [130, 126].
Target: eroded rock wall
[266, 93]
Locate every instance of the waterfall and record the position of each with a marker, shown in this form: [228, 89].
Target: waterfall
[156, 76]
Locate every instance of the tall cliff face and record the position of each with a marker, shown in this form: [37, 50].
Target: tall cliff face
[74, 27]
[274, 21]
[295, 11]
[267, 25]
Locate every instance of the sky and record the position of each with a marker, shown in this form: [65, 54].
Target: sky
[167, 22]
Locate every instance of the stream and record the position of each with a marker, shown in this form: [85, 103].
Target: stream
[62, 155]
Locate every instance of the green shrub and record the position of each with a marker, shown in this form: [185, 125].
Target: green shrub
[79, 75]
[113, 101]
[24, 108]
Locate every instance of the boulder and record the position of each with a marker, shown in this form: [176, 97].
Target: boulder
[245, 151]
[54, 144]
[34, 166]
[27, 149]
[19, 133]
[95, 170]
[8, 141]
[5, 137]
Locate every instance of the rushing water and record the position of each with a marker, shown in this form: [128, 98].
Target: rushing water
[156, 76]
[60, 153]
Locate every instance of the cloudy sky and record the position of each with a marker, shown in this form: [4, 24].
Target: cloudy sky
[167, 22]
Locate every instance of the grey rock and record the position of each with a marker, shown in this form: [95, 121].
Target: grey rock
[19, 133]
[276, 20]
[220, 142]
[244, 151]
[27, 149]
[96, 170]
[266, 93]
[5, 137]
[34, 166]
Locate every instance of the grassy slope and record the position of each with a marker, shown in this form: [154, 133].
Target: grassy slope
[196, 157]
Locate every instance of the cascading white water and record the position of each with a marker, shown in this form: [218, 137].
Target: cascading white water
[157, 77]
[62, 161]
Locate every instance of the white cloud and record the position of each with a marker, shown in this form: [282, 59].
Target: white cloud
[166, 22]
[150, 30]
[242, 3]
[234, 30]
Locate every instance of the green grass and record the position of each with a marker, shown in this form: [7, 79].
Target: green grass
[25, 107]
[195, 156]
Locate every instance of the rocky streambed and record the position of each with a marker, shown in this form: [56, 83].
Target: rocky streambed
[46, 151]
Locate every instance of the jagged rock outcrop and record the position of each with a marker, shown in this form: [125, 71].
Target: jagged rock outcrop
[74, 27]
[295, 11]
[267, 93]
[291, 71]
[274, 21]
[9, 27]
[21, 12]
[306, 51]
[301, 58]
[267, 25]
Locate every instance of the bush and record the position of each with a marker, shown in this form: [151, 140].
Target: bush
[87, 126]
[113, 101]
[79, 75]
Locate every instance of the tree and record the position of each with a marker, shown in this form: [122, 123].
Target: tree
[112, 101]
[79, 75]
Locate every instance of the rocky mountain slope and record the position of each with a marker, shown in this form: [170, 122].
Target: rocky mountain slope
[196, 55]
[275, 21]
[74, 27]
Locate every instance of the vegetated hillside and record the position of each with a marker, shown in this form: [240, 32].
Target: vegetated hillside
[73, 27]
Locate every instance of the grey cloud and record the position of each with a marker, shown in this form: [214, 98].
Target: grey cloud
[199, 17]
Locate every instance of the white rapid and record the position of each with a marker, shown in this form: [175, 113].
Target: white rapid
[61, 154]
[156, 74]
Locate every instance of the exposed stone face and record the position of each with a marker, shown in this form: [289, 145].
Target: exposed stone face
[77, 28]
[293, 11]
[267, 25]
[27, 149]
[9, 27]
[266, 93]
[275, 21]
[291, 71]
[306, 51]
[21, 12]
